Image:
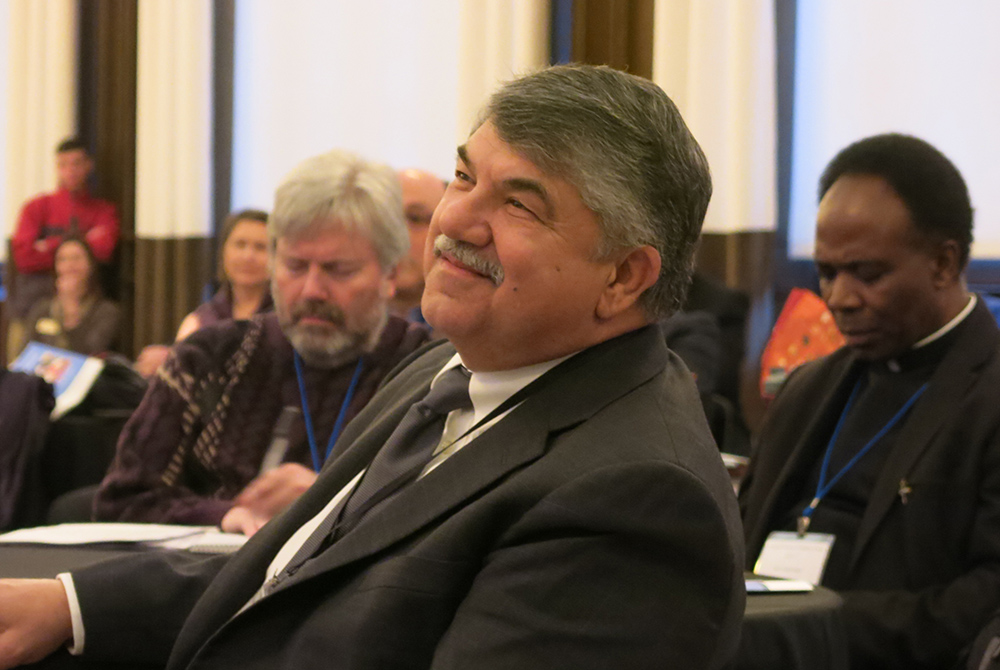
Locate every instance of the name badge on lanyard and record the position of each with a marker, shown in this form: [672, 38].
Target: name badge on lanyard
[790, 555]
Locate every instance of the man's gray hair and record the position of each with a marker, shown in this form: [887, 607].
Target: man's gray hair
[623, 144]
[339, 190]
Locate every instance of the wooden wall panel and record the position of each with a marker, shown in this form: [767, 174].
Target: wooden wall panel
[157, 281]
[618, 33]
[107, 89]
[170, 276]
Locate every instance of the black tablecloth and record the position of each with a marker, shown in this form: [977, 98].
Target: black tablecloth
[793, 631]
[781, 631]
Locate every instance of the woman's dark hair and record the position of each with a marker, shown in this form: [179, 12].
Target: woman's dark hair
[94, 279]
[228, 225]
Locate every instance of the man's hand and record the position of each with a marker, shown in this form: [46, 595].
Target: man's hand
[34, 620]
[150, 359]
[266, 496]
[242, 520]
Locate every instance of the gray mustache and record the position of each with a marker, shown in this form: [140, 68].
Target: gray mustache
[319, 309]
[466, 254]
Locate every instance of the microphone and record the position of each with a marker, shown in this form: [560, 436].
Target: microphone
[280, 441]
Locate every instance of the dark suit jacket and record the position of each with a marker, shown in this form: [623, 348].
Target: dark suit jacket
[593, 527]
[925, 572]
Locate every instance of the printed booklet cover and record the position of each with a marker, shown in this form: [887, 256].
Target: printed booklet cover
[71, 374]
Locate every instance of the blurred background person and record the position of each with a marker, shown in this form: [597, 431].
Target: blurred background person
[45, 220]
[244, 283]
[422, 191]
[78, 317]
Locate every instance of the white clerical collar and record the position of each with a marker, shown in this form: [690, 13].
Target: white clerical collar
[948, 327]
[893, 363]
[488, 390]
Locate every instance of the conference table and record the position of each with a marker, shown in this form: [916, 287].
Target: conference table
[781, 631]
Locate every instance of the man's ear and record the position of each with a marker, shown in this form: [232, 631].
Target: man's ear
[628, 279]
[947, 263]
[387, 287]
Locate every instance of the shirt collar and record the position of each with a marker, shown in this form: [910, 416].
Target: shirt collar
[488, 390]
[921, 353]
[948, 327]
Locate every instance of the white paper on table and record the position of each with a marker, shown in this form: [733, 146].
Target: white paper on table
[96, 533]
[210, 541]
[774, 585]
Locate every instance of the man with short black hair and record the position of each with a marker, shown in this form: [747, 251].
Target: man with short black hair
[886, 454]
[541, 492]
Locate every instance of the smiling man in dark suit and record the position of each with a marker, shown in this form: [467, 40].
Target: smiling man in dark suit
[890, 447]
[567, 510]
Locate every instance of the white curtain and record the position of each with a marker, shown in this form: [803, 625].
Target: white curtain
[394, 80]
[716, 60]
[499, 39]
[40, 101]
[173, 167]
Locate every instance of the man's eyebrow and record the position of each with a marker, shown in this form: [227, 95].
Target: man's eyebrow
[463, 154]
[850, 266]
[530, 186]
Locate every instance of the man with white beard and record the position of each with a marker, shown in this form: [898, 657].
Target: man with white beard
[243, 414]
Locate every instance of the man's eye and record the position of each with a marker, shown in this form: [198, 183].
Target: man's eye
[461, 176]
[342, 271]
[517, 204]
[869, 276]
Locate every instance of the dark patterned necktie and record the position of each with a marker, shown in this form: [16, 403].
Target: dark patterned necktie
[398, 462]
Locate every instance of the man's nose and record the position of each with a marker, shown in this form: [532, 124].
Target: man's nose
[315, 286]
[841, 293]
[465, 217]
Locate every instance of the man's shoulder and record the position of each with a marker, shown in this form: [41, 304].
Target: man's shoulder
[981, 339]
[39, 201]
[215, 344]
[399, 339]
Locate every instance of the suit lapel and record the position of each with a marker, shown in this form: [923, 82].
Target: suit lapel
[937, 408]
[518, 439]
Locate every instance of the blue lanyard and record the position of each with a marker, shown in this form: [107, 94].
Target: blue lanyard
[823, 487]
[317, 463]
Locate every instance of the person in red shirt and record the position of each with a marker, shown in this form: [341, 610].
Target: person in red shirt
[47, 218]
